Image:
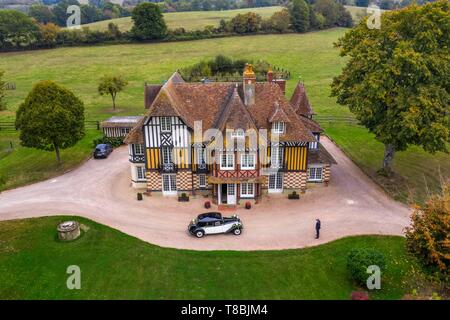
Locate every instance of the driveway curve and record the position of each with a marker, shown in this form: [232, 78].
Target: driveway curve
[100, 190]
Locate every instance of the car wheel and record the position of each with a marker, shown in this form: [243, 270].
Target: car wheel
[237, 231]
[200, 233]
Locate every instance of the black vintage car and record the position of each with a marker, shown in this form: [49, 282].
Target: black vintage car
[102, 150]
[214, 223]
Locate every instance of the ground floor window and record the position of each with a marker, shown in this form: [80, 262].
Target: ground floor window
[276, 181]
[315, 173]
[140, 173]
[247, 189]
[202, 180]
[169, 183]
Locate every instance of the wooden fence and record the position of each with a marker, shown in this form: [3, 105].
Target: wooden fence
[10, 125]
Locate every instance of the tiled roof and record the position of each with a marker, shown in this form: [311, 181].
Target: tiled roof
[300, 102]
[209, 102]
[136, 135]
[312, 125]
[320, 156]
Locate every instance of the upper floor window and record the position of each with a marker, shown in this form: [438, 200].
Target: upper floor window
[227, 161]
[166, 155]
[247, 161]
[276, 157]
[278, 127]
[238, 133]
[166, 124]
[138, 149]
[201, 155]
[315, 144]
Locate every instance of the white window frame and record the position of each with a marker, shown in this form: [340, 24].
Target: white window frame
[314, 177]
[166, 124]
[238, 133]
[202, 180]
[278, 127]
[166, 152]
[140, 170]
[124, 131]
[138, 149]
[171, 186]
[245, 190]
[315, 144]
[201, 155]
[245, 161]
[228, 164]
[276, 157]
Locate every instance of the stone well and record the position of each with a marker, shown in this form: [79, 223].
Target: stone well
[68, 230]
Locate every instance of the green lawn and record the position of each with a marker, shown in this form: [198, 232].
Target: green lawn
[113, 265]
[310, 55]
[20, 165]
[193, 20]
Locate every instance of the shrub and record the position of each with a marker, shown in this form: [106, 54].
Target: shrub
[248, 205]
[427, 237]
[139, 196]
[358, 260]
[293, 195]
[114, 141]
[184, 195]
[207, 204]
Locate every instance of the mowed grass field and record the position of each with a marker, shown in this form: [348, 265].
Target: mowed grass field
[192, 20]
[311, 56]
[197, 20]
[113, 265]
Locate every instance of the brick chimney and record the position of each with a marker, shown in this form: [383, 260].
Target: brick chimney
[270, 74]
[249, 79]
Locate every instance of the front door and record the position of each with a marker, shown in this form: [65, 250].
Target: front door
[169, 184]
[231, 193]
[276, 182]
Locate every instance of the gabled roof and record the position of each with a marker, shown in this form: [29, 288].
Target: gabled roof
[278, 114]
[220, 105]
[300, 102]
[235, 115]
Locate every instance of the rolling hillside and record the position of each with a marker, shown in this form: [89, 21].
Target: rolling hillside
[192, 20]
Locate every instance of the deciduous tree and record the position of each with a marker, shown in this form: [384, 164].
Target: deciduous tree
[396, 78]
[111, 85]
[299, 12]
[51, 118]
[148, 22]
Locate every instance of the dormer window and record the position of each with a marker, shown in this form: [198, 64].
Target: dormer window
[238, 133]
[278, 127]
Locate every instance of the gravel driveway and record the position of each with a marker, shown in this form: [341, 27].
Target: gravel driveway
[100, 190]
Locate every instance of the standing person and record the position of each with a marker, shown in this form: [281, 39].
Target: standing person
[317, 228]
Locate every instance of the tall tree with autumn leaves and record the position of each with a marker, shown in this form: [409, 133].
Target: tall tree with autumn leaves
[396, 78]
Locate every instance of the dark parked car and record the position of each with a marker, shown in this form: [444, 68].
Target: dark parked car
[214, 223]
[102, 150]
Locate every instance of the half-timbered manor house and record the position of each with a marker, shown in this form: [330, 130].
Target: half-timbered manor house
[167, 157]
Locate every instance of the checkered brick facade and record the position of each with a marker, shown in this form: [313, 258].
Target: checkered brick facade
[326, 173]
[154, 182]
[295, 180]
[184, 181]
[197, 183]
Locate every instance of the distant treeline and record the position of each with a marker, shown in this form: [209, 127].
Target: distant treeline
[57, 14]
[20, 32]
